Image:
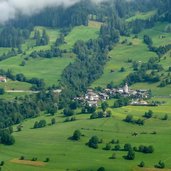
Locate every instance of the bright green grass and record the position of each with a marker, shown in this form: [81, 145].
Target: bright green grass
[80, 33]
[48, 69]
[53, 34]
[4, 50]
[15, 85]
[52, 142]
[156, 34]
[119, 58]
[11, 96]
[142, 16]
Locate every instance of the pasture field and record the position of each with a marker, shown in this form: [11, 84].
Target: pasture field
[64, 154]
[15, 85]
[158, 34]
[49, 70]
[139, 52]
[120, 55]
[83, 33]
[142, 16]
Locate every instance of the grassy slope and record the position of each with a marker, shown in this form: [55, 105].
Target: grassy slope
[138, 52]
[81, 33]
[119, 57]
[142, 16]
[15, 85]
[53, 142]
[49, 69]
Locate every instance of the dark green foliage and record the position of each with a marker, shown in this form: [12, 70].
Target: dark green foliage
[113, 156]
[127, 147]
[122, 69]
[41, 40]
[70, 119]
[94, 116]
[51, 109]
[110, 85]
[2, 91]
[101, 169]
[68, 112]
[19, 128]
[142, 164]
[2, 163]
[47, 159]
[93, 142]
[160, 165]
[34, 159]
[76, 135]
[117, 147]
[22, 158]
[148, 40]
[60, 40]
[148, 114]
[6, 138]
[114, 141]
[100, 114]
[130, 119]
[146, 149]
[121, 102]
[40, 124]
[104, 106]
[130, 155]
[52, 53]
[9, 54]
[53, 121]
[13, 37]
[107, 147]
[165, 117]
[88, 109]
[73, 105]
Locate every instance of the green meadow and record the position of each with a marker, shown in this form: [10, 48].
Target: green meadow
[64, 154]
[83, 33]
[142, 16]
[49, 70]
[120, 55]
[137, 51]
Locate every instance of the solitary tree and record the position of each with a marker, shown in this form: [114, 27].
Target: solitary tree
[76, 135]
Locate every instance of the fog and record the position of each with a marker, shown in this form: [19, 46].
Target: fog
[10, 8]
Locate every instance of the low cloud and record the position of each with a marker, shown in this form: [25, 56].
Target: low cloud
[10, 8]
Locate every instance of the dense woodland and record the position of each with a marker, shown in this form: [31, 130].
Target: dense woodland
[91, 55]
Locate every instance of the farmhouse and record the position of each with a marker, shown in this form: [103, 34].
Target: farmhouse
[139, 103]
[3, 79]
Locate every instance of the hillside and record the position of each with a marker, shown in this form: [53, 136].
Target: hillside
[135, 49]
[86, 86]
[52, 141]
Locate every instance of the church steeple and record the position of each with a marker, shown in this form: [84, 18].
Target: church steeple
[126, 88]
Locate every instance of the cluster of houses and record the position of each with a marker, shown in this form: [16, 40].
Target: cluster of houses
[127, 92]
[92, 98]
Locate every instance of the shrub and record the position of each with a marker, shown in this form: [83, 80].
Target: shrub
[93, 142]
[47, 159]
[142, 164]
[101, 169]
[76, 135]
[22, 158]
[2, 163]
[160, 165]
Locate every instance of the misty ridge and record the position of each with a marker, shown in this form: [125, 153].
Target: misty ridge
[11, 8]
